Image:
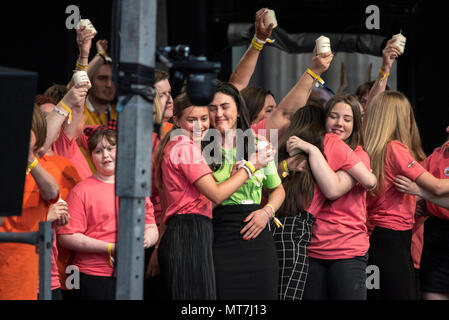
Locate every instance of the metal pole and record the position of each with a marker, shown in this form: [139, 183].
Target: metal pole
[45, 243]
[135, 130]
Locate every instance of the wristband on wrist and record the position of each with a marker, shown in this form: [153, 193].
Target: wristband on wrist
[32, 165]
[315, 77]
[256, 44]
[384, 76]
[284, 169]
[111, 259]
[250, 166]
[69, 111]
[81, 66]
[105, 57]
[276, 220]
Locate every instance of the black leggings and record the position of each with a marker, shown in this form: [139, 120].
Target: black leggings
[390, 252]
[96, 287]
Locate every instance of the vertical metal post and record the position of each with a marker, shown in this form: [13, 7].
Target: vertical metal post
[135, 129]
[44, 244]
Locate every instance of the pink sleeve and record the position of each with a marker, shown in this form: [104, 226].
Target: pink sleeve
[78, 219]
[63, 146]
[189, 159]
[149, 212]
[403, 162]
[339, 154]
[260, 127]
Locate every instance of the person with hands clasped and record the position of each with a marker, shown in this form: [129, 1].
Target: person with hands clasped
[188, 190]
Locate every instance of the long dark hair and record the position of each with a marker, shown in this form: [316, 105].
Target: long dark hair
[255, 100]
[243, 121]
[308, 124]
[356, 137]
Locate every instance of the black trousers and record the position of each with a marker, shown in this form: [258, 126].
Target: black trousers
[390, 252]
[245, 270]
[96, 287]
[338, 279]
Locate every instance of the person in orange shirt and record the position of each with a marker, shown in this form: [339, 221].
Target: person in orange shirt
[19, 262]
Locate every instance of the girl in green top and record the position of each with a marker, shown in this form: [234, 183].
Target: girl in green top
[244, 253]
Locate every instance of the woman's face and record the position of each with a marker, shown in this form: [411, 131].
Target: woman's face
[194, 120]
[268, 108]
[103, 157]
[340, 120]
[223, 112]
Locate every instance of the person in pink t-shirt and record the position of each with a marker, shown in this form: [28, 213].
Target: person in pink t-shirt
[393, 143]
[434, 265]
[339, 243]
[188, 190]
[92, 229]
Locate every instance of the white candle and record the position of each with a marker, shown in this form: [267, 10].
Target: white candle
[323, 45]
[400, 41]
[270, 17]
[81, 76]
[86, 23]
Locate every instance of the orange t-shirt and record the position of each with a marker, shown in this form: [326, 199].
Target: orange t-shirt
[19, 262]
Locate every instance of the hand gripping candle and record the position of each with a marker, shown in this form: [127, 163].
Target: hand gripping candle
[81, 76]
[269, 18]
[323, 45]
[400, 41]
[86, 23]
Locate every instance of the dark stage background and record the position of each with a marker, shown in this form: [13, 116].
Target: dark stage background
[34, 38]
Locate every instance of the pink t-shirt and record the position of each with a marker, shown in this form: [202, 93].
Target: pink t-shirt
[182, 165]
[340, 229]
[92, 204]
[438, 165]
[339, 157]
[393, 209]
[69, 149]
[260, 127]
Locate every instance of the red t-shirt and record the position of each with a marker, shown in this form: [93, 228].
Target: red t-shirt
[92, 208]
[391, 208]
[182, 165]
[339, 157]
[438, 165]
[340, 229]
[66, 178]
[69, 149]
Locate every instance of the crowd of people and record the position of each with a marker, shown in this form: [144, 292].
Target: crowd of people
[252, 199]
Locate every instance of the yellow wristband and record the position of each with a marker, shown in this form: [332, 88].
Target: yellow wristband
[82, 66]
[383, 74]
[271, 207]
[32, 166]
[69, 111]
[315, 76]
[250, 166]
[285, 166]
[111, 259]
[256, 45]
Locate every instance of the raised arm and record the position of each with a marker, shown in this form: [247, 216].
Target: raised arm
[55, 119]
[297, 97]
[245, 68]
[389, 55]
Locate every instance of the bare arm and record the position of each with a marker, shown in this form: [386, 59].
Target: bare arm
[82, 243]
[245, 68]
[333, 185]
[403, 184]
[389, 55]
[75, 97]
[439, 187]
[297, 97]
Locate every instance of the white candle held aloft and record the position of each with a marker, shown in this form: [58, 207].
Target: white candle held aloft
[81, 76]
[86, 23]
[270, 17]
[323, 45]
[400, 41]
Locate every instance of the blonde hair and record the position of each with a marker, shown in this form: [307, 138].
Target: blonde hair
[390, 118]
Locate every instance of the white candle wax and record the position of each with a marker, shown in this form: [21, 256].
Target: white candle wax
[400, 41]
[270, 17]
[81, 76]
[86, 23]
[323, 45]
